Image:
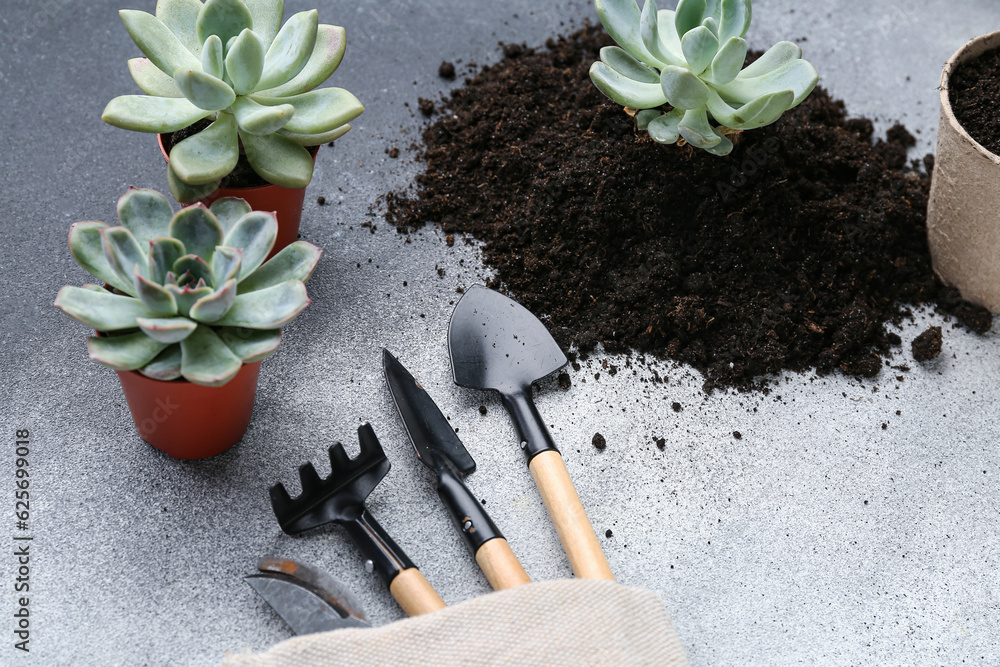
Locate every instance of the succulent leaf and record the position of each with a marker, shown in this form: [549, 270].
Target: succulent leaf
[206, 359]
[316, 139]
[209, 155]
[142, 113]
[645, 117]
[621, 18]
[224, 18]
[157, 42]
[146, 213]
[123, 252]
[296, 261]
[211, 57]
[798, 76]
[625, 91]
[88, 251]
[620, 61]
[318, 110]
[191, 270]
[187, 296]
[228, 210]
[225, 264]
[290, 49]
[266, 17]
[700, 47]
[210, 308]
[278, 160]
[180, 17]
[163, 254]
[331, 42]
[776, 56]
[728, 61]
[649, 29]
[124, 353]
[735, 16]
[250, 344]
[165, 366]
[167, 330]
[268, 308]
[151, 80]
[198, 230]
[758, 112]
[688, 15]
[184, 192]
[104, 312]
[682, 88]
[664, 128]
[156, 298]
[253, 235]
[245, 62]
[204, 90]
[254, 118]
[696, 129]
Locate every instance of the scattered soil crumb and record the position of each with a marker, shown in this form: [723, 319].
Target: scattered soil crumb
[661, 443]
[321, 200]
[676, 406]
[598, 441]
[737, 435]
[447, 70]
[449, 240]
[394, 152]
[927, 345]
[483, 410]
[426, 106]
[564, 381]
[608, 533]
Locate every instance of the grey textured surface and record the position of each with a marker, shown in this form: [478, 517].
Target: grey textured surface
[820, 537]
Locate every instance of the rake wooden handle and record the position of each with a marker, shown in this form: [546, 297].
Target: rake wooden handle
[570, 519]
[414, 593]
[500, 565]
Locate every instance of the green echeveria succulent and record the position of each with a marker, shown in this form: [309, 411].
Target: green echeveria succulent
[692, 60]
[232, 62]
[200, 302]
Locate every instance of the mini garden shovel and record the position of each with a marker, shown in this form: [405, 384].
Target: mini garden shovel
[496, 343]
[341, 498]
[438, 447]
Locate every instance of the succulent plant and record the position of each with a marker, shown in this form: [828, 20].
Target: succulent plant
[692, 60]
[200, 302]
[232, 62]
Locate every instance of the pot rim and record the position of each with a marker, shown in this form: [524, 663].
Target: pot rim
[971, 49]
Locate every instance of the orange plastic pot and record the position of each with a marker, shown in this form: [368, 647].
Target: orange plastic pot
[187, 420]
[286, 203]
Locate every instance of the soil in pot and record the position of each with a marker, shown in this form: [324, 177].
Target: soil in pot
[974, 88]
[792, 253]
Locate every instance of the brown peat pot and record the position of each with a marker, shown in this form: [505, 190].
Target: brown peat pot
[963, 214]
[187, 420]
[286, 203]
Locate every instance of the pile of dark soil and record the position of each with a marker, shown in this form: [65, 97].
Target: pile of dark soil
[792, 253]
[973, 89]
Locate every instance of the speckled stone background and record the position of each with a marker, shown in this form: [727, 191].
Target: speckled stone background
[853, 522]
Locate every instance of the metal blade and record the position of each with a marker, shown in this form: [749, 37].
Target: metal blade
[429, 430]
[304, 607]
[331, 588]
[496, 343]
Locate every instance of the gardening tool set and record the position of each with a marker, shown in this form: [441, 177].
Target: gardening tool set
[494, 344]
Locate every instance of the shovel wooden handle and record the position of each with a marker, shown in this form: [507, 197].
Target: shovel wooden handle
[500, 565]
[414, 593]
[570, 519]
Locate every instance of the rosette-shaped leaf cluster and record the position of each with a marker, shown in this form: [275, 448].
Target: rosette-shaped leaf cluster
[692, 60]
[192, 295]
[233, 63]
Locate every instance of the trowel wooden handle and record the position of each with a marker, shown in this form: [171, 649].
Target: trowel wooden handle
[414, 593]
[500, 565]
[567, 513]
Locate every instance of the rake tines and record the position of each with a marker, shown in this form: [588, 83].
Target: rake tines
[341, 496]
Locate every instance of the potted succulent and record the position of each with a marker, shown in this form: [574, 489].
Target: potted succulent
[680, 73]
[963, 213]
[227, 84]
[188, 310]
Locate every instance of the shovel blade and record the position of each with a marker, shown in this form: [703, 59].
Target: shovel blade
[496, 343]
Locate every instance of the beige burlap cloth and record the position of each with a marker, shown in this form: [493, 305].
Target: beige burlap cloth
[567, 622]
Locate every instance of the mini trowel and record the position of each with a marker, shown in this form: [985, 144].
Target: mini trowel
[307, 599]
[496, 343]
[439, 448]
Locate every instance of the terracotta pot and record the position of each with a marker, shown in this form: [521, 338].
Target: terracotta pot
[286, 203]
[187, 420]
[963, 215]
